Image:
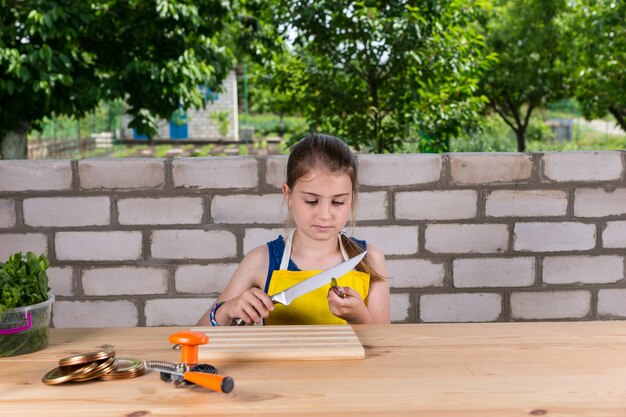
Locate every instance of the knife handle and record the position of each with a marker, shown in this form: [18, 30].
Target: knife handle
[214, 382]
[240, 322]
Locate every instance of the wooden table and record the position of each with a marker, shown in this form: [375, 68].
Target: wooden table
[457, 370]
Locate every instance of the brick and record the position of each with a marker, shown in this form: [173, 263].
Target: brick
[7, 213]
[599, 202]
[11, 243]
[193, 244]
[475, 307]
[256, 237]
[125, 280]
[414, 273]
[392, 240]
[70, 314]
[216, 172]
[583, 269]
[480, 168]
[436, 205]
[583, 166]
[612, 303]
[397, 169]
[526, 203]
[371, 206]
[180, 210]
[204, 279]
[98, 246]
[400, 305]
[276, 170]
[466, 238]
[493, 272]
[614, 236]
[550, 305]
[269, 208]
[60, 280]
[553, 237]
[67, 211]
[35, 175]
[176, 311]
[121, 173]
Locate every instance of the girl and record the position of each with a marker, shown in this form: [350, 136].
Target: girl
[321, 194]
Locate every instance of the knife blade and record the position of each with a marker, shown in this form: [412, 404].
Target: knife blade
[318, 280]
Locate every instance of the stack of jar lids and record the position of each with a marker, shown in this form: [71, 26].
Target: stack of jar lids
[94, 365]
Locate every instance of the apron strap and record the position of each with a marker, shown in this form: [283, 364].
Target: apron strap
[284, 262]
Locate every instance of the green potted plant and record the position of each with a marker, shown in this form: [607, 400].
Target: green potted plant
[25, 304]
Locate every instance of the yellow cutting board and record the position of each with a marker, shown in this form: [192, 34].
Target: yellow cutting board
[274, 343]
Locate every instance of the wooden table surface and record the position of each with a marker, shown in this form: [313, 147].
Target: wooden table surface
[457, 370]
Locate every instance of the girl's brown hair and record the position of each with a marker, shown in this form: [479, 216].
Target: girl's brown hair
[330, 153]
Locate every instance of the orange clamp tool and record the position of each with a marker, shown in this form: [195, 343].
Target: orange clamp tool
[189, 342]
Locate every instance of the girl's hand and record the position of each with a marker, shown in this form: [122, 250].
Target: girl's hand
[252, 306]
[352, 308]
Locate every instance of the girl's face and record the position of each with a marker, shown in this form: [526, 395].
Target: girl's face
[320, 202]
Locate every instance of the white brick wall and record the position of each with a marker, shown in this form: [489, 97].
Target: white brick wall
[599, 203]
[392, 240]
[400, 307]
[467, 237]
[35, 175]
[249, 209]
[583, 269]
[121, 173]
[583, 166]
[526, 203]
[122, 281]
[436, 205]
[67, 211]
[98, 246]
[490, 168]
[612, 303]
[493, 272]
[11, 243]
[60, 280]
[414, 273]
[478, 307]
[215, 172]
[176, 311]
[399, 169]
[203, 279]
[553, 237]
[550, 305]
[614, 236]
[94, 314]
[193, 244]
[7, 213]
[178, 210]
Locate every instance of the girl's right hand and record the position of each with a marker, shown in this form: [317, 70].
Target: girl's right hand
[252, 306]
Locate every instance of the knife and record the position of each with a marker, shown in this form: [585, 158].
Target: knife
[316, 281]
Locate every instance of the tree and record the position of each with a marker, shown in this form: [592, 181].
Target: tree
[378, 73]
[63, 57]
[598, 58]
[529, 72]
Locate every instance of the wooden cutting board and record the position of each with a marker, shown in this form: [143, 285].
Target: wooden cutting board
[273, 343]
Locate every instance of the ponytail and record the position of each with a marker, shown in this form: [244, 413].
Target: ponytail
[353, 249]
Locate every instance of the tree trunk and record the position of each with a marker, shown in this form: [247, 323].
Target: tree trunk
[520, 134]
[620, 116]
[13, 144]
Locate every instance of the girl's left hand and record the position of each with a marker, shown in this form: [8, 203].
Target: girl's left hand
[352, 308]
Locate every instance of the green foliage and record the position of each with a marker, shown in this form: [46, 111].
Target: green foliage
[270, 125]
[598, 57]
[222, 120]
[529, 71]
[377, 73]
[23, 281]
[243, 150]
[65, 57]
